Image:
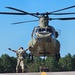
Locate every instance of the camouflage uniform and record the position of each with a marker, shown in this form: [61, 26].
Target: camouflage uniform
[20, 58]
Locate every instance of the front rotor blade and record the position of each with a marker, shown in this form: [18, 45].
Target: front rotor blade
[26, 13]
[12, 13]
[62, 9]
[16, 9]
[70, 18]
[25, 22]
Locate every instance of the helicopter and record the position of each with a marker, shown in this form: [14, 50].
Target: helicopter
[44, 37]
[44, 42]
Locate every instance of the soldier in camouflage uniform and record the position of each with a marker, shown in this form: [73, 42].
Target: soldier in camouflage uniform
[20, 58]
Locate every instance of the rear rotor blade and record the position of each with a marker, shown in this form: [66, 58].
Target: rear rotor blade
[69, 18]
[25, 22]
[71, 13]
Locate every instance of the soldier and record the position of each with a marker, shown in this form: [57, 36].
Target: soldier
[20, 58]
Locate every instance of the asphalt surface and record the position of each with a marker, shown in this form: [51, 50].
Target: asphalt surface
[41, 73]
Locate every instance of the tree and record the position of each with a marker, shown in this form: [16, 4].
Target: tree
[52, 64]
[66, 63]
[34, 65]
[73, 62]
[1, 66]
[7, 63]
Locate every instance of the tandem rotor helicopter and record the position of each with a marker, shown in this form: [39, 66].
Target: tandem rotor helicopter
[44, 37]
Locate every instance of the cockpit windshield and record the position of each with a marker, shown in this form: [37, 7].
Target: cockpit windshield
[47, 31]
[43, 30]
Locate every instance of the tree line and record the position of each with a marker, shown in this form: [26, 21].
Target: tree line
[67, 63]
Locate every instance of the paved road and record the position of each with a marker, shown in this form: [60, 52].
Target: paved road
[40, 73]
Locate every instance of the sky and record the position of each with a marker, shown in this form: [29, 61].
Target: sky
[15, 36]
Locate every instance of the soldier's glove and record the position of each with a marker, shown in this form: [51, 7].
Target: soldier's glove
[9, 48]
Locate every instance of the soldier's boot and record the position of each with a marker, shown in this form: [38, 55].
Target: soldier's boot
[16, 71]
[22, 70]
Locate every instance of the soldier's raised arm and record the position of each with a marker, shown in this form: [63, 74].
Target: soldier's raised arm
[12, 50]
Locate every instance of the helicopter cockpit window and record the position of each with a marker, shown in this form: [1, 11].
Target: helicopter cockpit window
[38, 30]
[43, 30]
[49, 30]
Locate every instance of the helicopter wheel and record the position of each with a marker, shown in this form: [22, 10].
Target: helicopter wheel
[57, 56]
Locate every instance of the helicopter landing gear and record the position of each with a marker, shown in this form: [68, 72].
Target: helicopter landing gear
[43, 67]
[31, 57]
[57, 56]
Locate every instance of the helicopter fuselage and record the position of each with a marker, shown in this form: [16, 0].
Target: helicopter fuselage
[44, 42]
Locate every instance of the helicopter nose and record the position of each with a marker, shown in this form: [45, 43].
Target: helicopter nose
[43, 35]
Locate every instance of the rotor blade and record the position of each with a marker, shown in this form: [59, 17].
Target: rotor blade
[22, 11]
[12, 13]
[25, 22]
[16, 9]
[69, 18]
[62, 9]
[63, 13]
